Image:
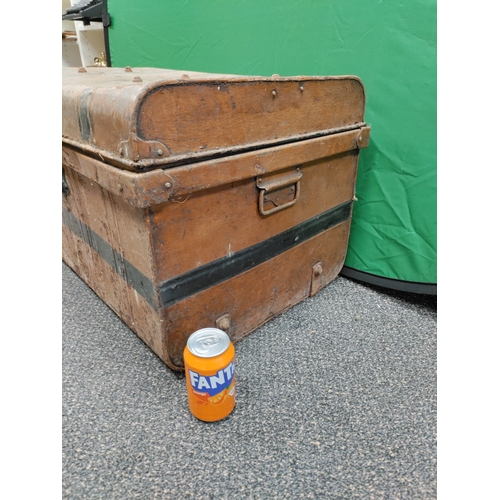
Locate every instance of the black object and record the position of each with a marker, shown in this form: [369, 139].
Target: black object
[86, 11]
[393, 284]
[83, 4]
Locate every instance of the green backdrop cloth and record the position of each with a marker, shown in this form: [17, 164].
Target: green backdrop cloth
[390, 45]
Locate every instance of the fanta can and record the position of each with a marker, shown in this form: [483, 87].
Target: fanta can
[210, 378]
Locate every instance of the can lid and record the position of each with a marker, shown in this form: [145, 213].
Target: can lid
[208, 342]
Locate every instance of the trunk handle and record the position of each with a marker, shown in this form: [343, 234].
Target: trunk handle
[270, 185]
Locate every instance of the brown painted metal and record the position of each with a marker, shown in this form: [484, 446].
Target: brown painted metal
[186, 169]
[228, 216]
[149, 188]
[167, 118]
[255, 297]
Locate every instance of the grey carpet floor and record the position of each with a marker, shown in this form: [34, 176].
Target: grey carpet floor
[336, 398]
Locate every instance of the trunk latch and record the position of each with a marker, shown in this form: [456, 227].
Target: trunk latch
[65, 187]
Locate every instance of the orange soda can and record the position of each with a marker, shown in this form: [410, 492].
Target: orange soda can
[210, 379]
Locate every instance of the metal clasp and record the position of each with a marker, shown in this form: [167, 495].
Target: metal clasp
[279, 185]
[65, 187]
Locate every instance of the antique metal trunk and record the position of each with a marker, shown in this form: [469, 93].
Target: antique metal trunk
[193, 200]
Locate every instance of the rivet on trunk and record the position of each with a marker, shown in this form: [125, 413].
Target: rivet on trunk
[223, 322]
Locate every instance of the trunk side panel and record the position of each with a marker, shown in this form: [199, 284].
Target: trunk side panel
[119, 233]
[256, 296]
[194, 230]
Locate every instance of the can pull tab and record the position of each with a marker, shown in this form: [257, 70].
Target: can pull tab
[210, 341]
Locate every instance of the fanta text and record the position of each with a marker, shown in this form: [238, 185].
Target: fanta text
[215, 383]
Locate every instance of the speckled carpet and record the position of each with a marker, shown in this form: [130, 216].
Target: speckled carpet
[336, 398]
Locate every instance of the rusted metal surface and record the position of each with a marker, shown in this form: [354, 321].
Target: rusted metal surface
[150, 188]
[317, 271]
[223, 322]
[228, 216]
[107, 242]
[278, 193]
[258, 295]
[165, 119]
[202, 237]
